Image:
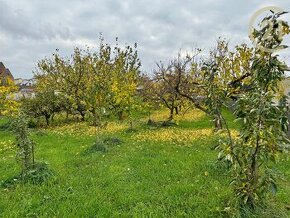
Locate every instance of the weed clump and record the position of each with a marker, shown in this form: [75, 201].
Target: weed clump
[166, 123]
[103, 145]
[36, 174]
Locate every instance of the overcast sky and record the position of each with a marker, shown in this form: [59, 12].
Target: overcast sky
[31, 30]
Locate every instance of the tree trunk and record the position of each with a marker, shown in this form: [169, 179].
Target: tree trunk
[82, 115]
[176, 110]
[171, 113]
[52, 117]
[121, 115]
[67, 114]
[47, 118]
[81, 110]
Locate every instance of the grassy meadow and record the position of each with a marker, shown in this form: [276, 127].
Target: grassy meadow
[150, 172]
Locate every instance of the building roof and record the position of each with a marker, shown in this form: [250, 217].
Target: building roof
[5, 72]
[2, 68]
[8, 73]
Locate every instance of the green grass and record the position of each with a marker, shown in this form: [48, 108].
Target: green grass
[133, 179]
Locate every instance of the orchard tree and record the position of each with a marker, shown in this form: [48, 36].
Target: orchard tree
[75, 79]
[262, 136]
[124, 80]
[66, 77]
[98, 86]
[44, 104]
[170, 84]
[92, 83]
[49, 81]
[223, 76]
[146, 92]
[25, 146]
[187, 79]
[233, 68]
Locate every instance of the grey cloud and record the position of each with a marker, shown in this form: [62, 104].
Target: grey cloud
[31, 29]
[18, 24]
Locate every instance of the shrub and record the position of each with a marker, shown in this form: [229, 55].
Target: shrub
[36, 174]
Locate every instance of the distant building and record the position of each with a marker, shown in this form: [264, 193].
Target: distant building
[5, 73]
[26, 88]
[24, 83]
